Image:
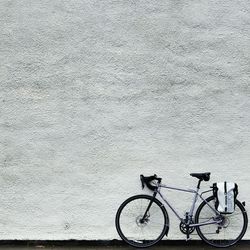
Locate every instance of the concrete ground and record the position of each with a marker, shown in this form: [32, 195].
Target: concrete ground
[242, 246]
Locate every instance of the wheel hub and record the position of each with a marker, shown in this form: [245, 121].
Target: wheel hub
[141, 222]
[225, 222]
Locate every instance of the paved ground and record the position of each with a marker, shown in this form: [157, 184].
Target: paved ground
[179, 247]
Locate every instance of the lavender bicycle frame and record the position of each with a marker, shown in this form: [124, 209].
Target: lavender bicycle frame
[190, 214]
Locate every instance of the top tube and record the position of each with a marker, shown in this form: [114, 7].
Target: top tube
[179, 189]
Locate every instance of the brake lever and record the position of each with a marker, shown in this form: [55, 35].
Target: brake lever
[157, 178]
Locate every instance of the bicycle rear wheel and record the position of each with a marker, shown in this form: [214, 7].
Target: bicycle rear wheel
[140, 233]
[228, 232]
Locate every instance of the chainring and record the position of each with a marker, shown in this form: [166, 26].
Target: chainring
[184, 229]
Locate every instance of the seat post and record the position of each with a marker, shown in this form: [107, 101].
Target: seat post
[199, 183]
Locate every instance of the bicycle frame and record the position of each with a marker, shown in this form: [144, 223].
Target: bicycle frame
[191, 211]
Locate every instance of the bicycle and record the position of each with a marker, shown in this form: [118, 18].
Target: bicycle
[142, 220]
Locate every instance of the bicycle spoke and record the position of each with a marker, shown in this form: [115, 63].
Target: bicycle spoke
[138, 230]
[229, 229]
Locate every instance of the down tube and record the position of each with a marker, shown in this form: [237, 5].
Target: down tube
[177, 215]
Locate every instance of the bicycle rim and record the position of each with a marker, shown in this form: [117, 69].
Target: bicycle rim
[135, 232]
[228, 232]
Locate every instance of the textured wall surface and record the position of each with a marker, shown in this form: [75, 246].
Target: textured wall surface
[93, 93]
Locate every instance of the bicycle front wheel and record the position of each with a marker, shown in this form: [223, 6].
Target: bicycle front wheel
[137, 232]
[228, 232]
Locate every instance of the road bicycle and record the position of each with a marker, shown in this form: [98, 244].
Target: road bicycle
[142, 220]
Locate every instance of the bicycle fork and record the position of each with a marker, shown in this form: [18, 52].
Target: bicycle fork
[143, 219]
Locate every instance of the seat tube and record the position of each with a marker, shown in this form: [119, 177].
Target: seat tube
[195, 199]
[194, 202]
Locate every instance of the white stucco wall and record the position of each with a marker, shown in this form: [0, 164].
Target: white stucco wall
[94, 93]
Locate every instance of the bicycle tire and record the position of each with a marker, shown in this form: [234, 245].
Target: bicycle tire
[228, 220]
[157, 209]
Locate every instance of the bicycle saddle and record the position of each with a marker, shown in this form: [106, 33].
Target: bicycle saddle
[202, 176]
